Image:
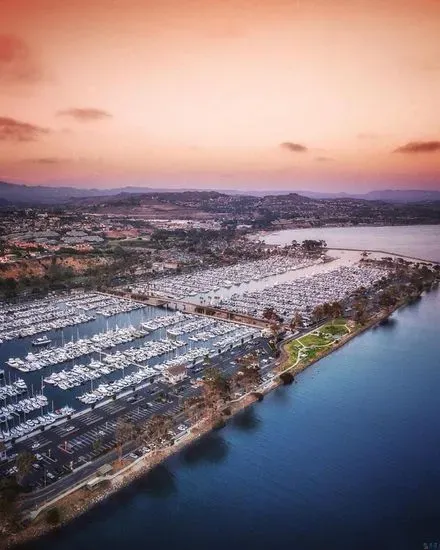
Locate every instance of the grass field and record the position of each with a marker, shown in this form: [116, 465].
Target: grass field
[317, 341]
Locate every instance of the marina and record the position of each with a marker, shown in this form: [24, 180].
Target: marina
[302, 295]
[205, 282]
[116, 352]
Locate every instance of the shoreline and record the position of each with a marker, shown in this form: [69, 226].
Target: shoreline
[260, 235]
[80, 501]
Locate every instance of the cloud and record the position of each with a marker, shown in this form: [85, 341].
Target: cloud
[46, 160]
[17, 63]
[15, 130]
[85, 114]
[414, 147]
[294, 147]
[324, 159]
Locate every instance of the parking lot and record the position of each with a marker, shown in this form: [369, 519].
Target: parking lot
[87, 438]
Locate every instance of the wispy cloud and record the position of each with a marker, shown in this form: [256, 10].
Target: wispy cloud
[47, 160]
[85, 114]
[324, 159]
[18, 131]
[17, 62]
[415, 147]
[293, 147]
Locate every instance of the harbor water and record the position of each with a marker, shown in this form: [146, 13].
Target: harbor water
[347, 457]
[419, 241]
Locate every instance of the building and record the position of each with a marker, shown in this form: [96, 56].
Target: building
[174, 374]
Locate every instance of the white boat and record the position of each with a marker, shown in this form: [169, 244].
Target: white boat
[42, 341]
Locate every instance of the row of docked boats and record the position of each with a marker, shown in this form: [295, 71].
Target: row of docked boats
[30, 318]
[78, 375]
[214, 330]
[110, 389]
[187, 359]
[31, 425]
[152, 349]
[38, 324]
[228, 341]
[25, 405]
[109, 363]
[303, 294]
[213, 279]
[14, 389]
[164, 321]
[195, 323]
[74, 350]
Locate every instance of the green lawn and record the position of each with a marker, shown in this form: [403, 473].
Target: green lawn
[292, 349]
[335, 329]
[315, 340]
[312, 344]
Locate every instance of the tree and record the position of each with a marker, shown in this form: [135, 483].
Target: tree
[194, 408]
[125, 431]
[24, 462]
[96, 445]
[216, 391]
[297, 321]
[250, 376]
[387, 300]
[53, 516]
[318, 313]
[336, 310]
[9, 514]
[268, 313]
[157, 430]
[360, 312]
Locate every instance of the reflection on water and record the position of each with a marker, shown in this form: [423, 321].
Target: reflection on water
[247, 420]
[420, 241]
[347, 459]
[211, 448]
[388, 323]
[158, 483]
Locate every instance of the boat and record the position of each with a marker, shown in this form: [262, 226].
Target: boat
[42, 341]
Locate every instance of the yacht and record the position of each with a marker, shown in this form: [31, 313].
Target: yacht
[42, 341]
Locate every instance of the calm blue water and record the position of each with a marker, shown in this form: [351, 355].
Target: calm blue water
[346, 458]
[420, 241]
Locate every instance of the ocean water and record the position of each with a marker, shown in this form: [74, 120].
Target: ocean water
[345, 458]
[420, 241]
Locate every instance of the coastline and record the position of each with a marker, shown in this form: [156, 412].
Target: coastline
[81, 500]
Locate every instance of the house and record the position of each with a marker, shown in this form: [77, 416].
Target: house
[174, 374]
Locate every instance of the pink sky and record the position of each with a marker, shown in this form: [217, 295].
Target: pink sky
[265, 94]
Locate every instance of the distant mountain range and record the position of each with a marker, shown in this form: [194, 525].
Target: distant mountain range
[26, 195]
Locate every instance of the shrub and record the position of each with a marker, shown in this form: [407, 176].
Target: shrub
[53, 516]
[258, 395]
[286, 378]
[219, 425]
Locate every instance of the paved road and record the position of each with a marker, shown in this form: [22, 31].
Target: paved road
[69, 454]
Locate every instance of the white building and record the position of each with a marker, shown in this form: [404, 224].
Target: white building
[174, 374]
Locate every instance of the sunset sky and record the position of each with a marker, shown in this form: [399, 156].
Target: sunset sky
[237, 94]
